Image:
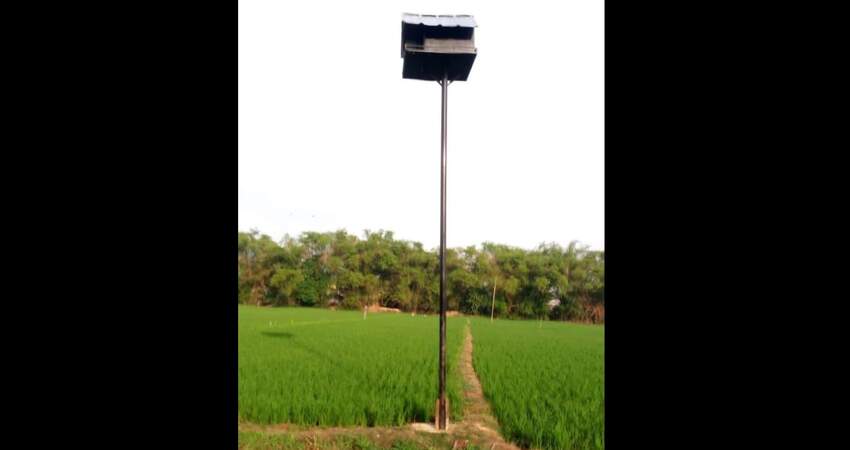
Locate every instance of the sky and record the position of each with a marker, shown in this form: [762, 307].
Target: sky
[331, 137]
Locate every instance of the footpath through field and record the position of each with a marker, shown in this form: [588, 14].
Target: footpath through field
[478, 423]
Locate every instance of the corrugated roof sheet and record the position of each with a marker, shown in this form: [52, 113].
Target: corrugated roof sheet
[461, 20]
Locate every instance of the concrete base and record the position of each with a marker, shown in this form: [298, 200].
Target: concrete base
[426, 427]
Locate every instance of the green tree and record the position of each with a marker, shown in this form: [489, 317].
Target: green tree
[285, 281]
[378, 269]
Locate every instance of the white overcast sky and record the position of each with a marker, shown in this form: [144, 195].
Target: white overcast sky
[331, 136]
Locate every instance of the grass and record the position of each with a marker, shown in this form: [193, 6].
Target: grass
[545, 382]
[318, 367]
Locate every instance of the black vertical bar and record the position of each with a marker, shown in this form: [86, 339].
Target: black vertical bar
[442, 398]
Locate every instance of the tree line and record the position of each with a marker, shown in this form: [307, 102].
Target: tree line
[340, 269]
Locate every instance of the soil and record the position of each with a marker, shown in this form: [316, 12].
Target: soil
[381, 436]
[478, 426]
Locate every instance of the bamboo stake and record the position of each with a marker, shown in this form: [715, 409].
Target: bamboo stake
[493, 304]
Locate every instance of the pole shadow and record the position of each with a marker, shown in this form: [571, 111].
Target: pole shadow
[277, 334]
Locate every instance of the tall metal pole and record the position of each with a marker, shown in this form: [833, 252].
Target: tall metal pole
[442, 399]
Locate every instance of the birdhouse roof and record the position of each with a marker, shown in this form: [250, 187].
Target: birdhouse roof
[460, 20]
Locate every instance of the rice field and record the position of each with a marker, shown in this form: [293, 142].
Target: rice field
[544, 381]
[309, 366]
[316, 367]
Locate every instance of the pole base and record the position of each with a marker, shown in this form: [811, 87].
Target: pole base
[437, 414]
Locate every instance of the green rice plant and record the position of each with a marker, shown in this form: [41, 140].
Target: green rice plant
[545, 382]
[317, 367]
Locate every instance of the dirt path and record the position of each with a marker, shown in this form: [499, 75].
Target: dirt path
[478, 424]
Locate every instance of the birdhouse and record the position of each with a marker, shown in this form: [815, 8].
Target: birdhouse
[433, 46]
